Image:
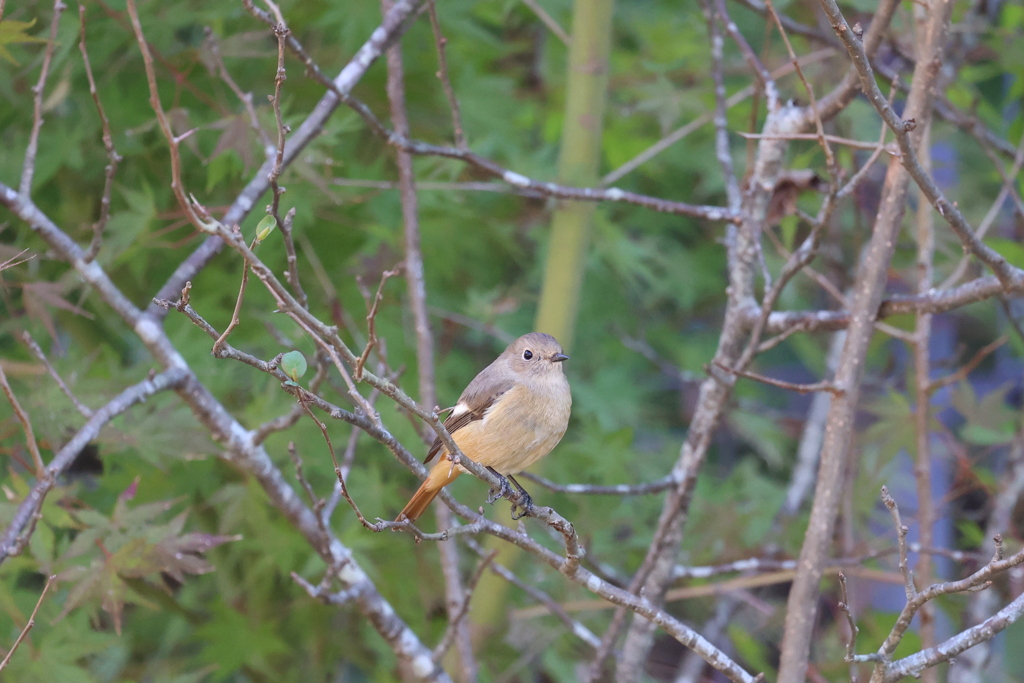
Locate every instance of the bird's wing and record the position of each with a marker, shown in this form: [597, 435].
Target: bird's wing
[473, 405]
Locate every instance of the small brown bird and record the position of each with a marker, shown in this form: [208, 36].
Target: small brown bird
[511, 415]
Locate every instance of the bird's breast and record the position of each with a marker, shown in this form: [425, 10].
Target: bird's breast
[522, 427]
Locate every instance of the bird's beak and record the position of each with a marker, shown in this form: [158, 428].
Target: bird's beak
[559, 357]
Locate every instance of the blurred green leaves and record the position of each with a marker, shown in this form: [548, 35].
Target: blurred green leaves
[135, 536]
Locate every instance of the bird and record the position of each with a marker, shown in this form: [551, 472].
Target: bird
[513, 413]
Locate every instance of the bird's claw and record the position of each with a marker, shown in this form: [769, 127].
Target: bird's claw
[503, 491]
[526, 505]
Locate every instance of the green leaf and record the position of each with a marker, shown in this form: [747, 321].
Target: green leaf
[265, 227]
[293, 364]
[14, 33]
[986, 436]
[231, 640]
[972, 535]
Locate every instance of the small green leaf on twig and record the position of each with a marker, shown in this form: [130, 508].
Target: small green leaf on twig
[293, 364]
[264, 228]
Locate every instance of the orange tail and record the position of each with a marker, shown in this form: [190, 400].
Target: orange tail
[442, 474]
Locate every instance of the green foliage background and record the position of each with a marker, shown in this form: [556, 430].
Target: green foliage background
[121, 614]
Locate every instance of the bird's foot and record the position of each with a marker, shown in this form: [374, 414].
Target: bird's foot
[525, 501]
[503, 490]
[525, 504]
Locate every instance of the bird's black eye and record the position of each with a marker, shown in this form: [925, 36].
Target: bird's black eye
[527, 354]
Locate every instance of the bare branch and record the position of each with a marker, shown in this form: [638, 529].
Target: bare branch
[990, 216]
[844, 605]
[236, 313]
[732, 188]
[456, 620]
[901, 537]
[704, 119]
[595, 489]
[12, 540]
[962, 373]
[29, 624]
[753, 61]
[26, 424]
[839, 140]
[799, 388]
[947, 650]
[213, 45]
[371, 322]
[113, 158]
[28, 167]
[393, 26]
[548, 21]
[823, 140]
[442, 73]
[871, 279]
[1008, 275]
[981, 579]
[236, 440]
[27, 339]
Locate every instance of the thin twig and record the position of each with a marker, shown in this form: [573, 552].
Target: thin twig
[27, 339]
[721, 121]
[598, 490]
[337, 469]
[1007, 274]
[455, 621]
[113, 158]
[293, 262]
[830, 160]
[440, 42]
[839, 140]
[855, 180]
[704, 119]
[322, 594]
[30, 623]
[499, 188]
[316, 502]
[196, 216]
[213, 46]
[26, 424]
[237, 312]
[990, 216]
[27, 512]
[969, 367]
[921, 349]
[371, 321]
[753, 61]
[548, 21]
[348, 457]
[799, 388]
[844, 605]
[901, 536]
[281, 32]
[550, 604]
[28, 167]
